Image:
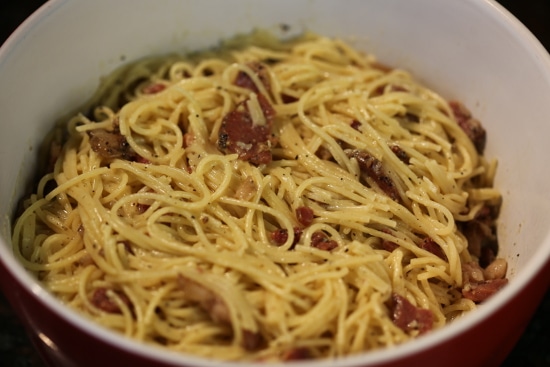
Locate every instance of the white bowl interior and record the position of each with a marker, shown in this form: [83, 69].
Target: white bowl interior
[470, 50]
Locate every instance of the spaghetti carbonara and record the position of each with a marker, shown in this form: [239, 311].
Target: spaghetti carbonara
[298, 200]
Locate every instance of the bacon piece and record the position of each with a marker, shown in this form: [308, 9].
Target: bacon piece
[110, 145]
[470, 125]
[252, 341]
[153, 88]
[373, 168]
[280, 236]
[479, 292]
[244, 80]
[101, 300]
[304, 215]
[296, 354]
[239, 134]
[288, 99]
[356, 125]
[213, 304]
[324, 154]
[320, 240]
[388, 245]
[400, 153]
[407, 317]
[431, 246]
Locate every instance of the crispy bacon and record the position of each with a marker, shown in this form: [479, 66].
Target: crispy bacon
[153, 88]
[408, 317]
[400, 153]
[297, 354]
[288, 99]
[280, 236]
[479, 292]
[430, 245]
[470, 125]
[110, 144]
[101, 300]
[304, 215]
[239, 134]
[320, 240]
[373, 169]
[388, 245]
[244, 80]
[251, 340]
[356, 125]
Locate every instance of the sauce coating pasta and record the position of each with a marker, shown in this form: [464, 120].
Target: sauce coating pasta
[267, 203]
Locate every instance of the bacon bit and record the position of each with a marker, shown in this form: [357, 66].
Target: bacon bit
[304, 215]
[321, 241]
[110, 145]
[142, 208]
[213, 304]
[153, 88]
[400, 153]
[244, 81]
[372, 168]
[470, 125]
[252, 142]
[388, 245]
[251, 340]
[296, 354]
[323, 153]
[431, 246]
[407, 317]
[101, 300]
[188, 139]
[479, 292]
[288, 99]
[356, 125]
[140, 159]
[280, 236]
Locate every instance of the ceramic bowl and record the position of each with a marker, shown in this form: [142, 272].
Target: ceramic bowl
[470, 50]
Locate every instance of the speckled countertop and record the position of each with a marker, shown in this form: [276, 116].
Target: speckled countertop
[532, 350]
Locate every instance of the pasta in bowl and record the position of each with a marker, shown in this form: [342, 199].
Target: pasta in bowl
[208, 211]
[222, 204]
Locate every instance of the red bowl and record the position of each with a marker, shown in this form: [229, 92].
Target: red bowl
[477, 52]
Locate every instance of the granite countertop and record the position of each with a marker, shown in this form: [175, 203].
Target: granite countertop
[532, 350]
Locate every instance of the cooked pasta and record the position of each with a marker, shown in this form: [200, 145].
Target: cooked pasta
[264, 203]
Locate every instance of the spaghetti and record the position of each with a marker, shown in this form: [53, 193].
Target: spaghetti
[267, 203]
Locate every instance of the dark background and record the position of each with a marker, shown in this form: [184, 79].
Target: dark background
[532, 350]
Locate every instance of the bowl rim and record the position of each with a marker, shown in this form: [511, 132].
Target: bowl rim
[492, 10]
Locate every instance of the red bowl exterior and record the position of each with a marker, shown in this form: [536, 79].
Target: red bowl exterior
[62, 344]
